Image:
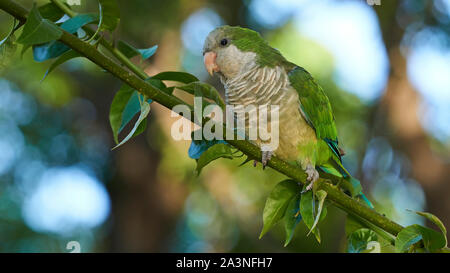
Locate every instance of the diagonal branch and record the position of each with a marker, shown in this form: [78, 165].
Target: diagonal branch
[117, 53]
[341, 200]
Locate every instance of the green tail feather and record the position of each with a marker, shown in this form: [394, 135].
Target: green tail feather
[353, 185]
[363, 196]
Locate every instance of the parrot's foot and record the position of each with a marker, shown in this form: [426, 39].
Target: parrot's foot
[313, 176]
[266, 155]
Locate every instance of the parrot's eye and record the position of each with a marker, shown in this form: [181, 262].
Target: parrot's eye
[223, 42]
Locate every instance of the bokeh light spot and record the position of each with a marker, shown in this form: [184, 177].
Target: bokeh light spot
[66, 199]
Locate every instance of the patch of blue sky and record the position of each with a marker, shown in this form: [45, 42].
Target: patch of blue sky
[193, 34]
[197, 27]
[350, 31]
[272, 13]
[428, 71]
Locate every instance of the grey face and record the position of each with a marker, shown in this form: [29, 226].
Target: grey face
[215, 40]
[224, 58]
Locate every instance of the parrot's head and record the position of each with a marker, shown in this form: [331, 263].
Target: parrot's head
[229, 51]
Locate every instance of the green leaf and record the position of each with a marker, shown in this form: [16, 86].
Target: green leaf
[51, 12]
[76, 22]
[49, 51]
[61, 59]
[160, 85]
[38, 30]
[145, 110]
[436, 221]
[213, 153]
[247, 159]
[352, 224]
[407, 237]
[11, 32]
[55, 49]
[156, 83]
[125, 105]
[8, 36]
[373, 247]
[7, 48]
[169, 90]
[277, 203]
[204, 90]
[410, 235]
[307, 208]
[432, 239]
[321, 195]
[122, 110]
[5, 40]
[198, 147]
[182, 77]
[132, 107]
[323, 215]
[148, 52]
[292, 217]
[130, 51]
[141, 128]
[358, 240]
[109, 15]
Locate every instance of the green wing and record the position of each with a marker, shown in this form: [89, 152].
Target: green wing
[315, 106]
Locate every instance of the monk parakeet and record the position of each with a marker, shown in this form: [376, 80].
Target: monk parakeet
[252, 72]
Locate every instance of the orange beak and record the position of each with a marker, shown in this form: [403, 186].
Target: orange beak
[210, 62]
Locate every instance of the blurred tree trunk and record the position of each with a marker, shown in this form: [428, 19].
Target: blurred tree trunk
[145, 207]
[138, 221]
[397, 119]
[141, 221]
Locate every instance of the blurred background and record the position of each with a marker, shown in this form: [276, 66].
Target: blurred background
[386, 70]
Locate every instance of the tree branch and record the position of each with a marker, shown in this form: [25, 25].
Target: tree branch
[117, 53]
[341, 200]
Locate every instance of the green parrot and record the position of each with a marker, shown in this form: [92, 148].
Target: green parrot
[253, 72]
